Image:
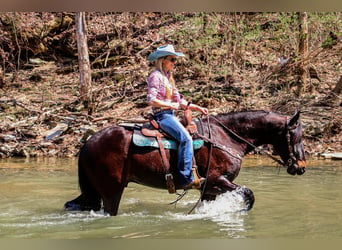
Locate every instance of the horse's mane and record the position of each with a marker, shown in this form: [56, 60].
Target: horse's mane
[252, 114]
[240, 119]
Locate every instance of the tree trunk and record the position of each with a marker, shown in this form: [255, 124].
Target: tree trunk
[303, 51]
[2, 81]
[338, 88]
[83, 61]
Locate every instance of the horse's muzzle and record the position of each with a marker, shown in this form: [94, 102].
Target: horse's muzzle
[297, 168]
[300, 171]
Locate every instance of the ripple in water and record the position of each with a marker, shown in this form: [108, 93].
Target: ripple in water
[223, 214]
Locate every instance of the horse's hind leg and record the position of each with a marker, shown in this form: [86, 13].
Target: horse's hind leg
[84, 203]
[111, 202]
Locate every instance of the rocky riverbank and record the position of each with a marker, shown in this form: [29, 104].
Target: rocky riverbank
[238, 61]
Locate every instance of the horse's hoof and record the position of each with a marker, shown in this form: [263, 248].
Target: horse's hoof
[72, 206]
[248, 197]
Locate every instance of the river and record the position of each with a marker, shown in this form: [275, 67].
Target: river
[33, 192]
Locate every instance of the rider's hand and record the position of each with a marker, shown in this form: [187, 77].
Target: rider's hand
[204, 111]
[174, 105]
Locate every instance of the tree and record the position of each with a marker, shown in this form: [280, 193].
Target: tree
[2, 81]
[303, 51]
[83, 62]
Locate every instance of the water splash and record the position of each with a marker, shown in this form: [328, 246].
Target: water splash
[227, 211]
[229, 202]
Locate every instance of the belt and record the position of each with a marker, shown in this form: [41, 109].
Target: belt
[157, 110]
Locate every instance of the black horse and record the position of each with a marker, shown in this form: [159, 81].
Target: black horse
[109, 160]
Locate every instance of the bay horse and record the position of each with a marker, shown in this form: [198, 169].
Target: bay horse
[109, 160]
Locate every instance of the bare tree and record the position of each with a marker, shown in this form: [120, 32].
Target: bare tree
[83, 61]
[2, 81]
[303, 51]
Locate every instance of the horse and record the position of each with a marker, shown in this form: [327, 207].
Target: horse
[109, 160]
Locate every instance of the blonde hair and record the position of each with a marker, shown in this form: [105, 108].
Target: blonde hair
[159, 66]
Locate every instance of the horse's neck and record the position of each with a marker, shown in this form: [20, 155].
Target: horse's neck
[257, 128]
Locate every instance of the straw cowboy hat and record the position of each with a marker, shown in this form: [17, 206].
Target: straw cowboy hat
[165, 50]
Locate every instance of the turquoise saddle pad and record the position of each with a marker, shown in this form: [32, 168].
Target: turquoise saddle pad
[143, 141]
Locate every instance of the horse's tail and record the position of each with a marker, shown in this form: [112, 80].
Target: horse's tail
[83, 180]
[89, 199]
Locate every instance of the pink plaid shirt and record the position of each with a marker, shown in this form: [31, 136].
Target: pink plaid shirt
[157, 84]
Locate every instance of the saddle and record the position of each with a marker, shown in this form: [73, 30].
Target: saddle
[150, 134]
[154, 130]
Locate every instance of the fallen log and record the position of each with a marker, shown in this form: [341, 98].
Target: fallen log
[332, 156]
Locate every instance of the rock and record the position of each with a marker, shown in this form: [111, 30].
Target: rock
[5, 150]
[49, 145]
[59, 140]
[35, 77]
[29, 133]
[7, 138]
[37, 61]
[89, 132]
[22, 152]
[56, 131]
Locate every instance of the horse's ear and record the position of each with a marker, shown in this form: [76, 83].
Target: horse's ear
[294, 119]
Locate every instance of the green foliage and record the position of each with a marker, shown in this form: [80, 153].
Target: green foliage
[328, 43]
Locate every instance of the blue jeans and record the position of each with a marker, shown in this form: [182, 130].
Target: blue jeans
[171, 125]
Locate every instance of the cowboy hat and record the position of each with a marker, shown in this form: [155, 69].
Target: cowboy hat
[164, 50]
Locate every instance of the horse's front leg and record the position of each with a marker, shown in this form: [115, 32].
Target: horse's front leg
[222, 185]
[245, 192]
[217, 185]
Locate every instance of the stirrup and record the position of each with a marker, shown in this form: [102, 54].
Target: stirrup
[170, 185]
[195, 184]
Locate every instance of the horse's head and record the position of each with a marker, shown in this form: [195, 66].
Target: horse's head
[292, 152]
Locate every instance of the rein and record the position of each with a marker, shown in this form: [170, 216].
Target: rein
[208, 165]
[214, 144]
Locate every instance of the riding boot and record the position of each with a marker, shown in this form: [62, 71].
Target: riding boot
[195, 172]
[197, 182]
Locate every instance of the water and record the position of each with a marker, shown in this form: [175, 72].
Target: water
[33, 192]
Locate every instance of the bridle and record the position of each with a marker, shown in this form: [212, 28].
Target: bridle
[292, 154]
[292, 159]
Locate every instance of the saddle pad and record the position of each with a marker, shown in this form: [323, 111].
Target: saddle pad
[143, 141]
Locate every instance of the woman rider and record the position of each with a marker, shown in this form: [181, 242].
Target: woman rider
[164, 98]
